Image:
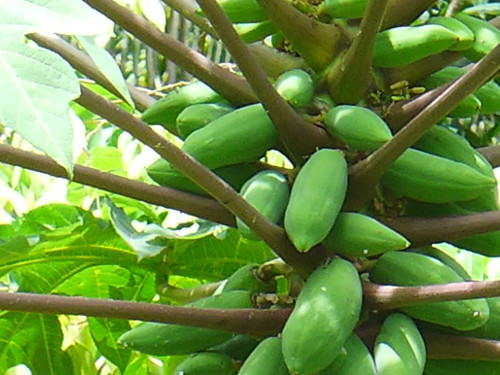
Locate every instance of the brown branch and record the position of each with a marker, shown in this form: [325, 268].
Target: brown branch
[170, 198]
[351, 77]
[247, 321]
[365, 175]
[271, 233]
[425, 231]
[387, 297]
[228, 84]
[299, 137]
[84, 64]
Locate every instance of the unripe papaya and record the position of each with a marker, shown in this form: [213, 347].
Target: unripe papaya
[170, 339]
[166, 110]
[430, 178]
[461, 367]
[243, 135]
[197, 116]
[411, 269]
[358, 127]
[316, 198]
[296, 87]
[268, 192]
[266, 359]
[354, 359]
[363, 236]
[165, 175]
[206, 363]
[399, 347]
[324, 317]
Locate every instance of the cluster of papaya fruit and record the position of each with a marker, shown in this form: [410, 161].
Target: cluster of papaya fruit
[440, 175]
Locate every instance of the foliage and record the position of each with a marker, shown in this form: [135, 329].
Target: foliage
[80, 216]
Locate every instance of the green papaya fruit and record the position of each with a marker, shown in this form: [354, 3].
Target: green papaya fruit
[206, 363]
[243, 135]
[170, 339]
[323, 318]
[363, 236]
[197, 116]
[268, 192]
[266, 359]
[411, 269]
[316, 198]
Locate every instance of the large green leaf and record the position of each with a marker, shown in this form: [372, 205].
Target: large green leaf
[37, 86]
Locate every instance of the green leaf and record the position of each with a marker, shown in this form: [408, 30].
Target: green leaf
[107, 65]
[57, 16]
[213, 258]
[36, 105]
[35, 340]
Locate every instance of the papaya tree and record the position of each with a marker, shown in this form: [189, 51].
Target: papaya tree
[317, 196]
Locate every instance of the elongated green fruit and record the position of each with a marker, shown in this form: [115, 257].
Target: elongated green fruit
[486, 36]
[399, 347]
[363, 236]
[197, 116]
[268, 192]
[443, 142]
[347, 9]
[445, 258]
[206, 363]
[461, 367]
[237, 347]
[316, 198]
[354, 359]
[411, 269]
[243, 135]
[235, 175]
[170, 339]
[266, 359]
[358, 127]
[166, 110]
[244, 278]
[403, 45]
[324, 317]
[255, 31]
[242, 11]
[429, 178]
[465, 35]
[296, 86]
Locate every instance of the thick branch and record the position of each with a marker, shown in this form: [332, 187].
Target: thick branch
[425, 231]
[271, 233]
[192, 204]
[249, 321]
[299, 137]
[231, 86]
[84, 64]
[318, 43]
[351, 77]
[387, 297]
[444, 346]
[365, 175]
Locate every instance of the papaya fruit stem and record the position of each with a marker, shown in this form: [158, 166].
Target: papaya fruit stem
[404, 12]
[351, 76]
[188, 8]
